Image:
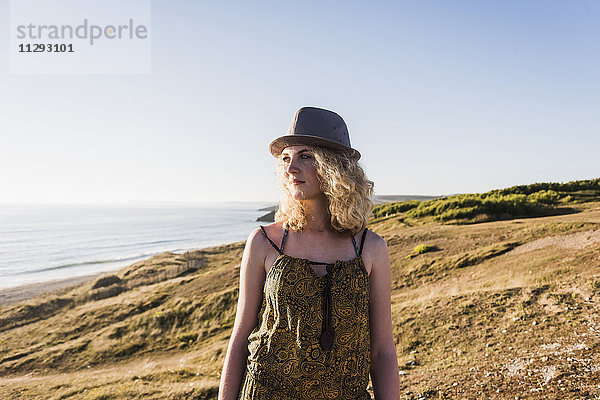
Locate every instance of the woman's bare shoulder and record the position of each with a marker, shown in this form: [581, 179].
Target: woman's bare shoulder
[375, 251]
[376, 241]
[257, 243]
[373, 242]
[274, 231]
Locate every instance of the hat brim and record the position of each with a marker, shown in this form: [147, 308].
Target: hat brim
[277, 145]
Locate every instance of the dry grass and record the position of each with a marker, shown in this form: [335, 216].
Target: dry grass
[495, 310]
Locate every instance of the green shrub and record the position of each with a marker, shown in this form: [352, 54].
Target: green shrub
[513, 202]
[383, 210]
[573, 186]
[545, 197]
[422, 248]
[469, 206]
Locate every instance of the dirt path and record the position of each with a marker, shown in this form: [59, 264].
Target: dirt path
[577, 240]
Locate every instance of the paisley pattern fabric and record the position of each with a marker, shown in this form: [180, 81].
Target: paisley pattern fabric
[286, 361]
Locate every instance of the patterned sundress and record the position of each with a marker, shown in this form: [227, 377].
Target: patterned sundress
[312, 338]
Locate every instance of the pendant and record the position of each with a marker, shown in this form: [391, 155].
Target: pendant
[326, 339]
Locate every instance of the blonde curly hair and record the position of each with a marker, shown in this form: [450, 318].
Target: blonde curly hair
[348, 193]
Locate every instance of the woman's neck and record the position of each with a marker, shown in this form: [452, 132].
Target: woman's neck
[317, 216]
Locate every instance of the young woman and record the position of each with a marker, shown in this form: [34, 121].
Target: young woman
[314, 315]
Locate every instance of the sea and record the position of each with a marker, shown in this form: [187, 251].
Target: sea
[40, 243]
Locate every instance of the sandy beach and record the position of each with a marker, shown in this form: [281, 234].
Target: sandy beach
[30, 290]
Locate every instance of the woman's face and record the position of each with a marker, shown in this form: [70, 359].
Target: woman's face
[300, 173]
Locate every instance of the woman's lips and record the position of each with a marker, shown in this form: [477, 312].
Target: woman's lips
[297, 181]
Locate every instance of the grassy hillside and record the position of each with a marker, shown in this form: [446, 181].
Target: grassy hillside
[482, 310]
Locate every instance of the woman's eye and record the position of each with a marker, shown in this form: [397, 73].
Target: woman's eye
[287, 159]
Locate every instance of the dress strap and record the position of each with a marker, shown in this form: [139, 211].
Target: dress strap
[355, 246]
[362, 241]
[280, 251]
[285, 232]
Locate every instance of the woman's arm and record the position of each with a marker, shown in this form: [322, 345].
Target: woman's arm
[252, 276]
[384, 363]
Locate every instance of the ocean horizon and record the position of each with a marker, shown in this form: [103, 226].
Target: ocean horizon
[44, 242]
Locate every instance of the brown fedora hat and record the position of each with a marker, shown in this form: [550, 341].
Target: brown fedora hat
[317, 127]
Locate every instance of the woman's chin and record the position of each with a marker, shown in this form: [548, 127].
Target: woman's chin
[301, 196]
[298, 196]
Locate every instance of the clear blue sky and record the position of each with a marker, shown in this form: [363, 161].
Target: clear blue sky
[440, 97]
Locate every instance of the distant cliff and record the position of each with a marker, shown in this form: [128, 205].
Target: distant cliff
[382, 199]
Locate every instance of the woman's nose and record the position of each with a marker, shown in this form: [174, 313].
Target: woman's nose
[292, 167]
